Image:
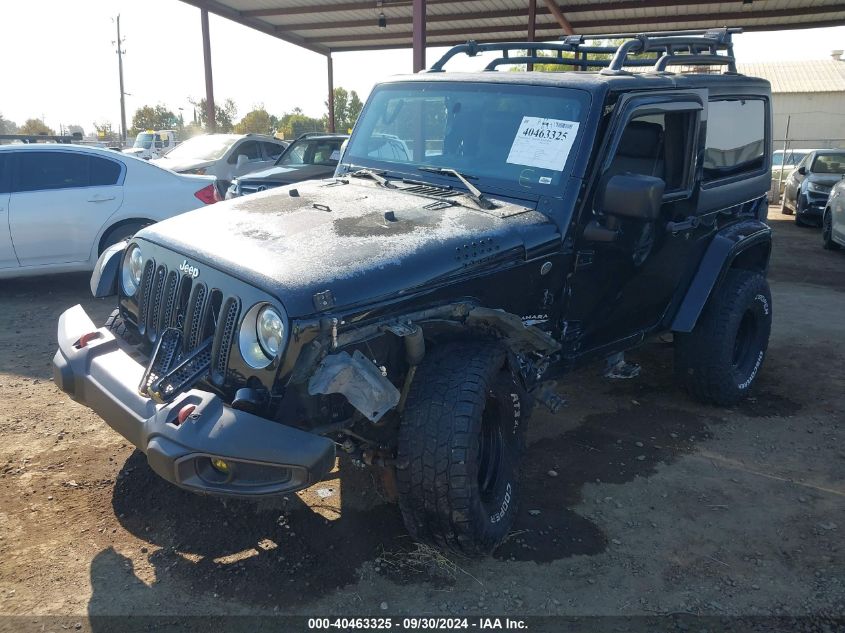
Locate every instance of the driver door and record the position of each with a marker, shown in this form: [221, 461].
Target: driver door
[627, 269]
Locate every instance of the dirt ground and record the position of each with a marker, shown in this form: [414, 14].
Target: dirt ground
[659, 505]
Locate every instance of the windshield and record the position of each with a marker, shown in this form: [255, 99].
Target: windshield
[829, 164]
[204, 147]
[312, 152]
[509, 135]
[144, 140]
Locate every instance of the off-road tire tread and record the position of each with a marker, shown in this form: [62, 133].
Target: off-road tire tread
[434, 445]
[698, 355]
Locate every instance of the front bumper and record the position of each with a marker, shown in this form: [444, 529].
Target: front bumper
[812, 206]
[264, 457]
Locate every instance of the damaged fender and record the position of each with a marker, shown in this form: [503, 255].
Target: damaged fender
[357, 378]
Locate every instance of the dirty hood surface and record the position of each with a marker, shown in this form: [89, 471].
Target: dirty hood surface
[287, 175]
[334, 236]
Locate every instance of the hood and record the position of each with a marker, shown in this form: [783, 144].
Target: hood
[181, 164]
[135, 150]
[827, 180]
[334, 236]
[285, 175]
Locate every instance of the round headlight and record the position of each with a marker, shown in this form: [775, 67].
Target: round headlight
[270, 330]
[262, 335]
[133, 270]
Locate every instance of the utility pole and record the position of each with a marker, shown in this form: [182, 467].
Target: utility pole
[120, 52]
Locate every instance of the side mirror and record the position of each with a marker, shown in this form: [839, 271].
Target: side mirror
[802, 170]
[634, 196]
[243, 159]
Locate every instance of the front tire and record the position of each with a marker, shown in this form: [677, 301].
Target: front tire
[460, 444]
[827, 232]
[783, 208]
[720, 359]
[120, 233]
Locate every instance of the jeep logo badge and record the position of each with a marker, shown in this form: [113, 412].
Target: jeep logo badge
[192, 271]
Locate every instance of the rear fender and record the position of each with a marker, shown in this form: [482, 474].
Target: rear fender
[746, 245]
[106, 271]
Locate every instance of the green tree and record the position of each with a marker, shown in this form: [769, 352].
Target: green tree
[7, 126]
[153, 118]
[347, 108]
[295, 123]
[257, 121]
[36, 126]
[224, 116]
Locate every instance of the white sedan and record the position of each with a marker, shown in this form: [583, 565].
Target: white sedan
[62, 205]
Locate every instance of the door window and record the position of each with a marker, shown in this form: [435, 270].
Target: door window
[5, 172]
[736, 138]
[104, 172]
[251, 149]
[658, 145]
[273, 150]
[52, 170]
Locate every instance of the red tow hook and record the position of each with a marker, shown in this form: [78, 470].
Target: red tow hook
[86, 338]
[184, 412]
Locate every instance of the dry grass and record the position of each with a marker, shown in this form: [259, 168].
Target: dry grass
[424, 560]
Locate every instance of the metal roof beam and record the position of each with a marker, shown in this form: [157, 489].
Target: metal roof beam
[600, 23]
[331, 8]
[224, 11]
[553, 6]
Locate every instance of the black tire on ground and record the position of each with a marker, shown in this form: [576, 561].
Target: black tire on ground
[116, 325]
[783, 208]
[120, 233]
[720, 359]
[460, 444]
[798, 220]
[827, 232]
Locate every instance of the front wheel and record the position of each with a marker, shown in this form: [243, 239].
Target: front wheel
[460, 444]
[827, 232]
[785, 210]
[720, 359]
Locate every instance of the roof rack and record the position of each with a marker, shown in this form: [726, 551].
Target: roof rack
[657, 50]
[307, 134]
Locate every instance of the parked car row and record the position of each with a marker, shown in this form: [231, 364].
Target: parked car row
[815, 194]
[62, 205]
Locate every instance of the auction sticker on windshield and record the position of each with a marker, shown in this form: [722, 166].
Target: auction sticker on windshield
[543, 143]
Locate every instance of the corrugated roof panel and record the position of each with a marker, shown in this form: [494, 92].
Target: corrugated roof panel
[357, 20]
[822, 75]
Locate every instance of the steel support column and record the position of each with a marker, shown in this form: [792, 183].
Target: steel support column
[532, 24]
[331, 92]
[419, 35]
[211, 121]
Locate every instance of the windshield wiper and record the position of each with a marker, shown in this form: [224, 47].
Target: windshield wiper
[473, 192]
[377, 176]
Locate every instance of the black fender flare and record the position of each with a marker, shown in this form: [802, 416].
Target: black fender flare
[107, 270]
[731, 248]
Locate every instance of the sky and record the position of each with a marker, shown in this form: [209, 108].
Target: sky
[59, 61]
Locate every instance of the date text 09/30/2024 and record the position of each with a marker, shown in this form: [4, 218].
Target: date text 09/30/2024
[417, 624]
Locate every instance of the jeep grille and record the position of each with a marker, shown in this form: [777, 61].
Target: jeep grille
[171, 299]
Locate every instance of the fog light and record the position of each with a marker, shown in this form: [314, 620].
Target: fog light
[221, 466]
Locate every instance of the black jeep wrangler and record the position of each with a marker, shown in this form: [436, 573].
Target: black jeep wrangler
[410, 311]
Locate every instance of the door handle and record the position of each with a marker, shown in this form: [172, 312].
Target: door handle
[100, 198]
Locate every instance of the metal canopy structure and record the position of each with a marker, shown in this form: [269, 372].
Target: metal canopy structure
[330, 26]
[326, 26]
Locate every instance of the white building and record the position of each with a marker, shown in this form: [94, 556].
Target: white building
[810, 95]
